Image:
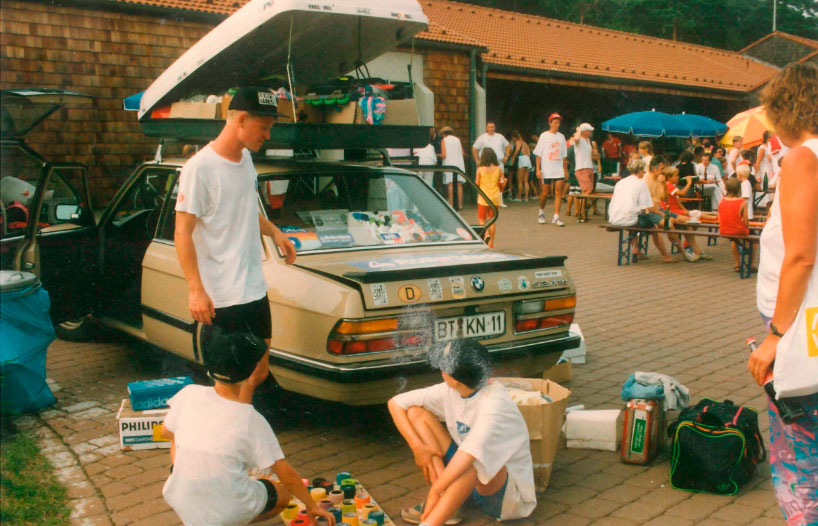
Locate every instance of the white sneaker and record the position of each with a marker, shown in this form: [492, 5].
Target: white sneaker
[556, 221]
[503, 205]
[691, 256]
[541, 219]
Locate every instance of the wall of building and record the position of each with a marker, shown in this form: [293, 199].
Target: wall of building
[107, 55]
[779, 51]
[446, 73]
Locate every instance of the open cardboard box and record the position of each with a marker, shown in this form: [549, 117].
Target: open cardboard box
[544, 423]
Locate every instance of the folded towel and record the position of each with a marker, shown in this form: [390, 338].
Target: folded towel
[677, 396]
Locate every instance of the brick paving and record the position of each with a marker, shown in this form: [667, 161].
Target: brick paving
[686, 320]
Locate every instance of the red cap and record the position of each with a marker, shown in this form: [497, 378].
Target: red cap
[554, 116]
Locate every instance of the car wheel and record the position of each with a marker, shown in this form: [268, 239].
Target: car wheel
[78, 330]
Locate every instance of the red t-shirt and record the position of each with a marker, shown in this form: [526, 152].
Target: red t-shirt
[673, 200]
[627, 150]
[730, 222]
[611, 147]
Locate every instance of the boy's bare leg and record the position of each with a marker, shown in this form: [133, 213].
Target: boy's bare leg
[558, 190]
[431, 432]
[456, 494]
[657, 240]
[451, 194]
[282, 500]
[459, 195]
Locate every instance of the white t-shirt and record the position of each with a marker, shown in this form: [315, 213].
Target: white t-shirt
[223, 195]
[710, 173]
[771, 255]
[489, 427]
[427, 157]
[217, 441]
[582, 154]
[747, 193]
[551, 149]
[496, 142]
[631, 195]
[733, 158]
[647, 159]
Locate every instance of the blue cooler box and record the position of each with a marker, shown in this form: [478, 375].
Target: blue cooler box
[153, 394]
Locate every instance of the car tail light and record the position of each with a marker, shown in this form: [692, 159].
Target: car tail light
[370, 336]
[547, 322]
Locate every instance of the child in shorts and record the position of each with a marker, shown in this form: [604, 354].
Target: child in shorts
[733, 218]
[491, 181]
[216, 439]
[480, 451]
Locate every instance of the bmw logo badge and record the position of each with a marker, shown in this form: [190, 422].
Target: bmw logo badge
[478, 284]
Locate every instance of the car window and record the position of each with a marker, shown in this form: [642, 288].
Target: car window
[19, 174]
[169, 222]
[63, 202]
[137, 213]
[357, 209]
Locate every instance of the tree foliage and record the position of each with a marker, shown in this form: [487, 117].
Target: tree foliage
[725, 24]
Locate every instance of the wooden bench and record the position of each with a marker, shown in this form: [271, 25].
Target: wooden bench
[746, 243]
[582, 203]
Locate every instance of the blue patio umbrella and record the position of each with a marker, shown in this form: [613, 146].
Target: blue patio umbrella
[131, 103]
[646, 124]
[700, 126]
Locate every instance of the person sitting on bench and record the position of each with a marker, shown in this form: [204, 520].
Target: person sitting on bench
[733, 218]
[680, 214]
[631, 205]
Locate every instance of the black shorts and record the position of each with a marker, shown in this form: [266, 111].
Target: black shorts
[272, 495]
[253, 317]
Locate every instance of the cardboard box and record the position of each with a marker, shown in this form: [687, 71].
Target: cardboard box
[285, 108]
[401, 112]
[559, 373]
[140, 429]
[596, 429]
[349, 113]
[544, 423]
[195, 110]
[153, 394]
[225, 105]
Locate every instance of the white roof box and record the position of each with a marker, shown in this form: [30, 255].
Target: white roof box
[328, 38]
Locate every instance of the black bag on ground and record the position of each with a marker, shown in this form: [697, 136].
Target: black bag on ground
[716, 446]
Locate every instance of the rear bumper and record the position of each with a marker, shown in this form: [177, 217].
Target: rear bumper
[377, 381]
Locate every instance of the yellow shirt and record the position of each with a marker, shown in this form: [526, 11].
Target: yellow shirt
[489, 184]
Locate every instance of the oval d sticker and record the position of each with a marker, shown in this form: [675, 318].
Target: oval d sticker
[409, 293]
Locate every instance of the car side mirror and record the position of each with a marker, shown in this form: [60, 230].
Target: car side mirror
[67, 212]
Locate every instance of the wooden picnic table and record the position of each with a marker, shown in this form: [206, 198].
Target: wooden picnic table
[581, 203]
[746, 243]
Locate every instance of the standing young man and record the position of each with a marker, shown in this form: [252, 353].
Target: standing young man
[219, 227]
[495, 141]
[552, 167]
[734, 156]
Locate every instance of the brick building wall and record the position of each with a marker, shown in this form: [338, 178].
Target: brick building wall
[779, 51]
[105, 54]
[446, 73]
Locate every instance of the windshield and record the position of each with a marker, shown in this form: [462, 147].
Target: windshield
[359, 209]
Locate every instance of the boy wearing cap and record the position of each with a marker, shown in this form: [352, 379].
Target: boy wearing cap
[481, 454]
[552, 167]
[219, 226]
[216, 437]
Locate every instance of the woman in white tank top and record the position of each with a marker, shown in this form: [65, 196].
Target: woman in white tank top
[787, 273]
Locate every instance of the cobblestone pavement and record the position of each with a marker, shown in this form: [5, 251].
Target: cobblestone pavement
[686, 320]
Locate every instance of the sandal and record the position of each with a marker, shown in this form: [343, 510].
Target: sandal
[736, 269]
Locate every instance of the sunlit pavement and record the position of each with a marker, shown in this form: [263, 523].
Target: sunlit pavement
[686, 320]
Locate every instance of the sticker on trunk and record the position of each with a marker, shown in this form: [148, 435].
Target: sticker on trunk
[458, 288]
[435, 289]
[523, 283]
[409, 293]
[505, 285]
[379, 297]
[542, 274]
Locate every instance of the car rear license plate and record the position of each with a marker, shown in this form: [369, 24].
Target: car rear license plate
[471, 326]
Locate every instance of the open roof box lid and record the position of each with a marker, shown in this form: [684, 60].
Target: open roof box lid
[320, 40]
[23, 109]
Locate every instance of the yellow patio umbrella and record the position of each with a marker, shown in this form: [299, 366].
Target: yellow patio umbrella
[750, 124]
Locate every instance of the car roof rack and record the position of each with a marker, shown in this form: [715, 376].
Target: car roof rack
[300, 136]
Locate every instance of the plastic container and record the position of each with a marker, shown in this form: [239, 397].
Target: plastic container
[25, 332]
[642, 431]
[153, 394]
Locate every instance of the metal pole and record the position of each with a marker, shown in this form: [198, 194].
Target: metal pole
[775, 5]
[472, 96]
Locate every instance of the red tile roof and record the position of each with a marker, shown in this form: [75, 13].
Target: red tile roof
[795, 38]
[535, 43]
[547, 46]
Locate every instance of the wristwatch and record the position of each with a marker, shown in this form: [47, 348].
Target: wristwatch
[774, 331]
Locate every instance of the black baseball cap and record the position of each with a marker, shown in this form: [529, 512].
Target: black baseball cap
[256, 100]
[230, 357]
[466, 360]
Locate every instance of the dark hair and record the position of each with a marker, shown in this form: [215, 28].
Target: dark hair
[767, 134]
[656, 161]
[748, 155]
[686, 156]
[733, 186]
[515, 134]
[698, 150]
[467, 361]
[708, 155]
[488, 157]
[489, 121]
[230, 357]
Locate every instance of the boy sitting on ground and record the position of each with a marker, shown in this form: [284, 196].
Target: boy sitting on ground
[483, 451]
[215, 439]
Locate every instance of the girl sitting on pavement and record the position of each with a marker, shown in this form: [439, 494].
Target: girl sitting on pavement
[215, 438]
[491, 181]
[680, 214]
[733, 218]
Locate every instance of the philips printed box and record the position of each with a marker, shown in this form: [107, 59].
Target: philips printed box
[141, 429]
[152, 394]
